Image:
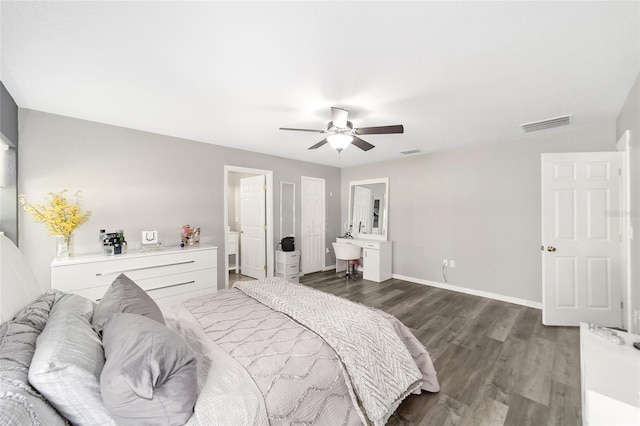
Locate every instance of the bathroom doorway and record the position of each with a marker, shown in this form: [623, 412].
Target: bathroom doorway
[248, 223]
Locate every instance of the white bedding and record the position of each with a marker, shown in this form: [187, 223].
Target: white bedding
[226, 393]
[258, 366]
[380, 368]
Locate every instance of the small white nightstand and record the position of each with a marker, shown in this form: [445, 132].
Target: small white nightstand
[288, 265]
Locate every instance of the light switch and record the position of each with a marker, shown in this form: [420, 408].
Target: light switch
[452, 263]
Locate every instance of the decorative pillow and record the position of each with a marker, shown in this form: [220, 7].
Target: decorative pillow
[124, 296]
[21, 404]
[150, 373]
[69, 303]
[68, 361]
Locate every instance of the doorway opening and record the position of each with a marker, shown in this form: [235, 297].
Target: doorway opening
[248, 223]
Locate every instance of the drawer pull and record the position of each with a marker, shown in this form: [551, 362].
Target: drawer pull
[101, 274]
[170, 285]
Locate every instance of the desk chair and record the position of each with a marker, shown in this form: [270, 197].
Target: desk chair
[349, 253]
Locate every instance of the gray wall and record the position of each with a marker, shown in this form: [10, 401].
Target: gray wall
[9, 158]
[8, 115]
[135, 180]
[629, 119]
[478, 205]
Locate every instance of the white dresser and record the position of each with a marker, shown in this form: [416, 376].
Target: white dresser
[288, 265]
[610, 376]
[232, 250]
[174, 273]
[376, 258]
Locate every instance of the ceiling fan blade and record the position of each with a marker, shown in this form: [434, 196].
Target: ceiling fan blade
[379, 130]
[303, 130]
[339, 117]
[363, 145]
[318, 145]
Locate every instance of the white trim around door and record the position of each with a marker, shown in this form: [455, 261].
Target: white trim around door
[626, 230]
[269, 215]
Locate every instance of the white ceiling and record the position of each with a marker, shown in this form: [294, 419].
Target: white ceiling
[232, 73]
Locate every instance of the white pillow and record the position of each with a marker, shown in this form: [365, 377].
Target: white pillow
[18, 285]
[68, 361]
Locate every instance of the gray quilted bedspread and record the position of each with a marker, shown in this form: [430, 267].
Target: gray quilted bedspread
[381, 369]
[299, 375]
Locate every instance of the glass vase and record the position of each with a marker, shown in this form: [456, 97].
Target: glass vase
[64, 246]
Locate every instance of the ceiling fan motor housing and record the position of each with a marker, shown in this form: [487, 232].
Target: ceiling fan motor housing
[332, 128]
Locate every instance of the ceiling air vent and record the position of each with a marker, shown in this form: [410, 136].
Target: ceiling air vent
[410, 151]
[564, 120]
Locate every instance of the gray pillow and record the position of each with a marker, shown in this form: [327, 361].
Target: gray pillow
[124, 296]
[68, 361]
[149, 376]
[69, 303]
[20, 403]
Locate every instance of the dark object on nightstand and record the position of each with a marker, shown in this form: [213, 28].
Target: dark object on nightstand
[287, 244]
[636, 345]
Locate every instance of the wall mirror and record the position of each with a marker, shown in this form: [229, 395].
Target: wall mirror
[368, 208]
[287, 209]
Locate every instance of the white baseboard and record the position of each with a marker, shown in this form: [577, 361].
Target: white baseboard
[488, 295]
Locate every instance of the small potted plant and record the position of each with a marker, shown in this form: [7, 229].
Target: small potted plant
[60, 216]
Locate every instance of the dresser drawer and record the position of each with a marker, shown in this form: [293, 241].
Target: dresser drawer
[78, 276]
[164, 286]
[287, 269]
[288, 257]
[294, 278]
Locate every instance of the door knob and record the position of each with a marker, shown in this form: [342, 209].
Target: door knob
[551, 248]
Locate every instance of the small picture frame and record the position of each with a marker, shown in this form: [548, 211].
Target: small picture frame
[149, 237]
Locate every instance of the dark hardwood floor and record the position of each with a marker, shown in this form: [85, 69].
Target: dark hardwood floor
[496, 363]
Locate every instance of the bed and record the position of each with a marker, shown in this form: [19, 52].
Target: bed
[264, 352]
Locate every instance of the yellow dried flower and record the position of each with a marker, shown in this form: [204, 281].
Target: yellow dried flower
[60, 217]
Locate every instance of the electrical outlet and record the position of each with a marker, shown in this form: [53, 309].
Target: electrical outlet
[452, 264]
[445, 262]
[327, 250]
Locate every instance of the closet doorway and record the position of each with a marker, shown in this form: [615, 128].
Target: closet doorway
[248, 223]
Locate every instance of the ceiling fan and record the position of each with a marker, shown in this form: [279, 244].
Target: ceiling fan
[341, 132]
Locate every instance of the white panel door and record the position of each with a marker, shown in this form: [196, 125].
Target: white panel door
[253, 235]
[362, 205]
[581, 275]
[312, 217]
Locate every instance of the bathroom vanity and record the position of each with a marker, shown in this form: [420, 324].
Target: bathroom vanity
[367, 223]
[376, 259]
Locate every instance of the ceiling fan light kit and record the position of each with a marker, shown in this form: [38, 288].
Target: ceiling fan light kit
[339, 141]
[342, 134]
